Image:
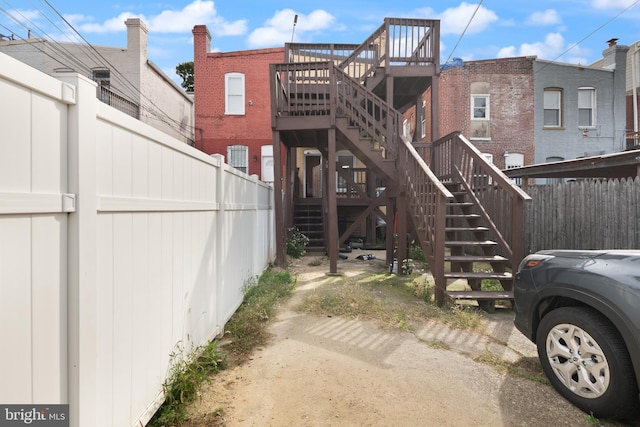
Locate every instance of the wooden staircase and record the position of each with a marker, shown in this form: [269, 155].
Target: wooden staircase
[308, 220]
[335, 94]
[472, 256]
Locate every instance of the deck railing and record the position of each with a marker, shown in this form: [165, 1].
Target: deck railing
[320, 88]
[397, 41]
[498, 199]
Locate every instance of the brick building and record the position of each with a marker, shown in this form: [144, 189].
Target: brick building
[491, 102]
[233, 104]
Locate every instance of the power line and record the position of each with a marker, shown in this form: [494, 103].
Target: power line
[62, 55]
[465, 29]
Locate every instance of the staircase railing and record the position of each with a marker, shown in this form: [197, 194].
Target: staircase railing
[319, 88]
[499, 200]
[427, 199]
[369, 112]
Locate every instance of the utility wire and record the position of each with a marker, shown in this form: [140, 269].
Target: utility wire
[465, 30]
[61, 54]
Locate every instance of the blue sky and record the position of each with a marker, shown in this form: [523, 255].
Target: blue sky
[573, 31]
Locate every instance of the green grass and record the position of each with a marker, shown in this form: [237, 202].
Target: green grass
[245, 331]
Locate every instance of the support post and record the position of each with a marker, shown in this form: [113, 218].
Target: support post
[278, 202]
[332, 241]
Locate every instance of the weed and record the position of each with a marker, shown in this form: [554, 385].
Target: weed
[188, 371]
[296, 243]
[246, 328]
[315, 262]
[525, 367]
[437, 345]
[388, 299]
[592, 420]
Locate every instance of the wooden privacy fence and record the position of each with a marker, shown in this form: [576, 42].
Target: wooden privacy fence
[593, 214]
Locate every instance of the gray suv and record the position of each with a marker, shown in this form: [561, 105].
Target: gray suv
[582, 310]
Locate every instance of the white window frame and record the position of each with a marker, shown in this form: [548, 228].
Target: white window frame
[341, 184]
[423, 120]
[592, 100]
[406, 128]
[487, 110]
[238, 157]
[234, 94]
[559, 94]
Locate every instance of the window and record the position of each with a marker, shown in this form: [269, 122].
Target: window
[238, 157]
[479, 107]
[423, 117]
[102, 77]
[480, 123]
[514, 160]
[586, 104]
[345, 162]
[406, 128]
[234, 94]
[552, 108]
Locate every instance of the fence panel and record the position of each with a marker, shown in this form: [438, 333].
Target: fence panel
[33, 235]
[119, 246]
[591, 214]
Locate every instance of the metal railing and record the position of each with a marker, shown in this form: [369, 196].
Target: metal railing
[118, 102]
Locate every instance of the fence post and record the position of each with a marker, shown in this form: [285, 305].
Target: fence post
[81, 298]
[219, 245]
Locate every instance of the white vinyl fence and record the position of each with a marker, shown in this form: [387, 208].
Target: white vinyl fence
[118, 245]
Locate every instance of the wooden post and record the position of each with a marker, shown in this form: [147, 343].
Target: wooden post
[332, 205]
[278, 202]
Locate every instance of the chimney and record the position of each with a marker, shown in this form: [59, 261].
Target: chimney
[615, 56]
[137, 37]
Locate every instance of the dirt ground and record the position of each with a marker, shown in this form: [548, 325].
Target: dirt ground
[330, 371]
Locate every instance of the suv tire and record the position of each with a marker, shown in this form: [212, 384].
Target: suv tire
[587, 362]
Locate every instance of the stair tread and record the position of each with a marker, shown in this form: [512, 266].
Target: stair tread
[477, 275]
[469, 243]
[475, 258]
[480, 295]
[466, 229]
[462, 215]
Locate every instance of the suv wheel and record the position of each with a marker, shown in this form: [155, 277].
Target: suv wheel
[587, 362]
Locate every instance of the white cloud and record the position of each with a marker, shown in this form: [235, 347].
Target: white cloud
[278, 29]
[168, 21]
[611, 4]
[547, 17]
[454, 20]
[550, 48]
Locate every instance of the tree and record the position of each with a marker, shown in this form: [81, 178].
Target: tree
[185, 71]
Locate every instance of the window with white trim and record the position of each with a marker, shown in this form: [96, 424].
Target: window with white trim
[234, 94]
[406, 128]
[552, 108]
[586, 107]
[480, 122]
[479, 107]
[423, 120]
[238, 157]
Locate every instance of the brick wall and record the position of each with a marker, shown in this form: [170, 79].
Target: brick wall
[511, 102]
[215, 130]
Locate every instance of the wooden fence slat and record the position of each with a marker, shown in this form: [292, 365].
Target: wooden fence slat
[591, 214]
